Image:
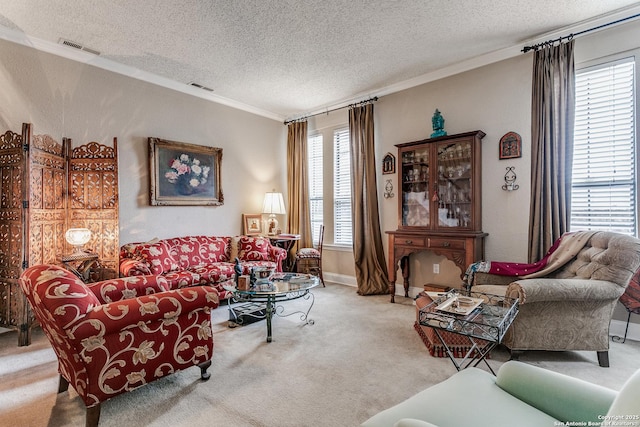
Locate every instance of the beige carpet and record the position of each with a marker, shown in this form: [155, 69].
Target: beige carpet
[362, 355]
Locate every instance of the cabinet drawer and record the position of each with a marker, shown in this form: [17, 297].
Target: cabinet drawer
[410, 241]
[444, 243]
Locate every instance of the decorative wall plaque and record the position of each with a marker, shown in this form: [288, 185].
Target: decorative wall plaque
[388, 164]
[510, 146]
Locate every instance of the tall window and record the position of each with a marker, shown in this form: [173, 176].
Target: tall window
[314, 154]
[342, 233]
[604, 176]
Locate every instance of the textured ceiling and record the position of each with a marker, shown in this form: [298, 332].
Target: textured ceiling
[290, 57]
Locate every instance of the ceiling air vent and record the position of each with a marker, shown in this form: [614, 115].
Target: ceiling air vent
[77, 46]
[194, 84]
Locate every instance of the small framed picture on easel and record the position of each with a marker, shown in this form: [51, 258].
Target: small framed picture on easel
[252, 224]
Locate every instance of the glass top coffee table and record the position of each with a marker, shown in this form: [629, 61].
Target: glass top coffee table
[482, 318]
[262, 300]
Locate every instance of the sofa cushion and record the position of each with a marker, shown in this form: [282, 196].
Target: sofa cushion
[214, 273]
[561, 396]
[182, 279]
[234, 248]
[192, 251]
[625, 405]
[131, 250]
[133, 267]
[308, 253]
[475, 390]
[159, 257]
[253, 248]
[607, 256]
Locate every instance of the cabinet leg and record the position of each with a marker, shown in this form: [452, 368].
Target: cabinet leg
[404, 264]
[392, 291]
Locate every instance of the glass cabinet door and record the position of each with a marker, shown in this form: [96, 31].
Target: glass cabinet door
[454, 181]
[415, 187]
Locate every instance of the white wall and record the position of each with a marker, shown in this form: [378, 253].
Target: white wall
[495, 99]
[64, 98]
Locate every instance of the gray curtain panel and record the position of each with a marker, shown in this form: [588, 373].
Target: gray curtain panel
[371, 269]
[299, 218]
[552, 123]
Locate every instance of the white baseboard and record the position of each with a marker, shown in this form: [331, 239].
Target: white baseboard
[341, 279]
[616, 328]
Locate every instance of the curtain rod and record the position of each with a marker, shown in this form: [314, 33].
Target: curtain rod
[366, 101]
[572, 35]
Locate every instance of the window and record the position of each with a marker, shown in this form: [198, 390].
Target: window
[314, 160]
[342, 232]
[604, 179]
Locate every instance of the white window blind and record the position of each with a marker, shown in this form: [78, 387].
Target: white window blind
[314, 161]
[342, 233]
[604, 179]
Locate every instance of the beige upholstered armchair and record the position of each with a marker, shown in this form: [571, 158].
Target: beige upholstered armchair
[567, 299]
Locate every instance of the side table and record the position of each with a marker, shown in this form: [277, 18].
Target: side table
[484, 326]
[463, 248]
[286, 242]
[81, 264]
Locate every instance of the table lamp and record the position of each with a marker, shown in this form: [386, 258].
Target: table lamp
[273, 205]
[77, 237]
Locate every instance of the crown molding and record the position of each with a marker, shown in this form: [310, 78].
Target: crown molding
[484, 59]
[447, 71]
[109, 65]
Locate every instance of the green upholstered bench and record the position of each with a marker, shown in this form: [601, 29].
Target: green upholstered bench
[521, 395]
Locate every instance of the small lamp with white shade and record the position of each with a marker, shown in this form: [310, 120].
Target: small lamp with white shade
[273, 205]
[77, 237]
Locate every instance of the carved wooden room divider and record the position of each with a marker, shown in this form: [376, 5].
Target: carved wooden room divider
[32, 217]
[93, 200]
[35, 211]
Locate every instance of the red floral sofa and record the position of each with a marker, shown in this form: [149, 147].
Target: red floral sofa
[199, 260]
[114, 336]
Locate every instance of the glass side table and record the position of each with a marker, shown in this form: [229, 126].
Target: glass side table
[482, 318]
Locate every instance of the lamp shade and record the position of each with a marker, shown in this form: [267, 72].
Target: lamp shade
[273, 204]
[77, 236]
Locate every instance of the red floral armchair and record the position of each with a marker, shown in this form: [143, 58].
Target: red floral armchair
[114, 336]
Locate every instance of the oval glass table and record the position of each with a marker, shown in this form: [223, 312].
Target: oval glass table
[262, 300]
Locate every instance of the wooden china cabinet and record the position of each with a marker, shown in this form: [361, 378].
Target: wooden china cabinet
[439, 205]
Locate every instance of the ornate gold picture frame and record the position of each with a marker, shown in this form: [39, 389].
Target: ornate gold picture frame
[184, 174]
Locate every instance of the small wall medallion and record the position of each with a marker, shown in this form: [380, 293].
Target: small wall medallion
[388, 164]
[510, 146]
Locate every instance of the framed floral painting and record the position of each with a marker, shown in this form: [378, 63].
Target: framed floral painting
[184, 174]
